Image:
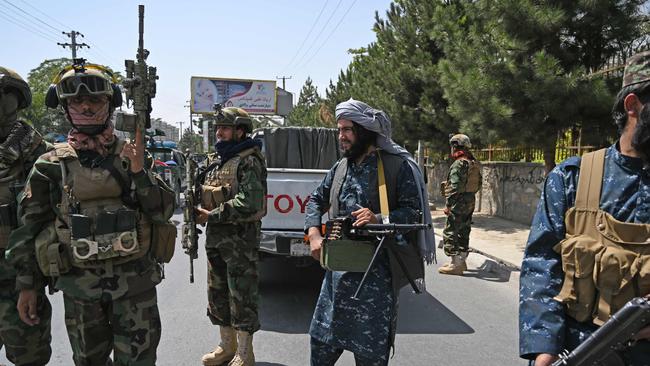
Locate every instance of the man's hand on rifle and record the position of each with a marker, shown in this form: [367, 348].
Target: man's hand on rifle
[545, 359]
[201, 215]
[315, 242]
[134, 151]
[364, 216]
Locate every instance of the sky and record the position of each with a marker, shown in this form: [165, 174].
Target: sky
[245, 39]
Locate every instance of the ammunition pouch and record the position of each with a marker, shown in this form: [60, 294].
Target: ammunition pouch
[605, 265]
[346, 255]
[8, 222]
[212, 197]
[52, 256]
[115, 235]
[163, 241]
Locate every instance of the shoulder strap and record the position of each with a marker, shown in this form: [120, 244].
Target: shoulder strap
[590, 180]
[337, 182]
[383, 192]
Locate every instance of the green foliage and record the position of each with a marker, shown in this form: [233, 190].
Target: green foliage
[307, 111]
[191, 141]
[39, 79]
[517, 69]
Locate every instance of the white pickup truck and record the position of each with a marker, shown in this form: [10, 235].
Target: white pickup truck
[298, 158]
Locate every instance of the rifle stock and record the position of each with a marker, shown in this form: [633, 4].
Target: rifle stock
[602, 347]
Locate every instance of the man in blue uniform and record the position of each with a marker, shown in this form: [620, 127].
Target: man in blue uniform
[552, 314]
[366, 326]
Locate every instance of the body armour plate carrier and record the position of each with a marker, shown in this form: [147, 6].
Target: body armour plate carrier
[222, 184]
[9, 185]
[606, 262]
[473, 183]
[94, 227]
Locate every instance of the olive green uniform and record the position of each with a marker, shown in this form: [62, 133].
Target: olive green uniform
[460, 200]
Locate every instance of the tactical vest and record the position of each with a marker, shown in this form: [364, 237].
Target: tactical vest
[9, 184]
[94, 227]
[606, 262]
[473, 183]
[410, 254]
[222, 184]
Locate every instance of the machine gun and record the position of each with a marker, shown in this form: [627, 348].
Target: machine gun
[192, 197]
[139, 89]
[341, 230]
[603, 346]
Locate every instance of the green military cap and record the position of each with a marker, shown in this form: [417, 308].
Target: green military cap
[637, 69]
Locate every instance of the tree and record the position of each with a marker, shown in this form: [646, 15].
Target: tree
[38, 115]
[398, 74]
[190, 141]
[307, 110]
[517, 70]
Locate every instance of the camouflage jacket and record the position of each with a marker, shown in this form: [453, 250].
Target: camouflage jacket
[543, 325]
[250, 198]
[39, 207]
[364, 327]
[24, 152]
[457, 178]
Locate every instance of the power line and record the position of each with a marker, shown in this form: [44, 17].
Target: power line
[39, 20]
[74, 45]
[308, 34]
[46, 15]
[27, 27]
[329, 35]
[321, 31]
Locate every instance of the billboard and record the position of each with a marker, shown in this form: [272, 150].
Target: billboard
[254, 96]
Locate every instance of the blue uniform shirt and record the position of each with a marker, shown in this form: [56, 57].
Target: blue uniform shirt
[362, 326]
[625, 194]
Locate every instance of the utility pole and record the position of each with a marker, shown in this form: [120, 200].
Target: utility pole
[180, 134]
[283, 78]
[74, 45]
[190, 108]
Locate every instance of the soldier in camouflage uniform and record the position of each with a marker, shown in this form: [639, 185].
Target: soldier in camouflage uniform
[364, 326]
[550, 321]
[463, 181]
[20, 145]
[233, 204]
[89, 222]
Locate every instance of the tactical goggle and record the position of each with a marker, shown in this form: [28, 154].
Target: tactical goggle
[94, 84]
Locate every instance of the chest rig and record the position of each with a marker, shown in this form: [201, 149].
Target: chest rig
[473, 183]
[222, 184]
[606, 262]
[95, 227]
[10, 185]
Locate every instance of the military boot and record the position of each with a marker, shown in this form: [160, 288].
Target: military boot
[456, 266]
[244, 355]
[226, 349]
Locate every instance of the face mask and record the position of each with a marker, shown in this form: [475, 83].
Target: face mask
[88, 122]
[8, 107]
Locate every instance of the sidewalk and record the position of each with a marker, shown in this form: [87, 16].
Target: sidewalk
[498, 239]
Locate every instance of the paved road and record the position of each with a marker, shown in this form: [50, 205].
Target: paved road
[467, 320]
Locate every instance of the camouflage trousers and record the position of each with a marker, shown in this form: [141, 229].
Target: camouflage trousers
[455, 235]
[232, 287]
[128, 327]
[24, 344]
[323, 354]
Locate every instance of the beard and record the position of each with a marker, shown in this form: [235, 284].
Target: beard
[364, 139]
[641, 136]
[356, 149]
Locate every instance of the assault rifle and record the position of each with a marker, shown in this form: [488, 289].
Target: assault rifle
[139, 88]
[604, 345]
[190, 240]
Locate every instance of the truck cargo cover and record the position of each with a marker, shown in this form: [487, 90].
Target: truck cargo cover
[299, 147]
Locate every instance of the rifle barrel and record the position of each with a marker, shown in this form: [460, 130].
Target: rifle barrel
[141, 31]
